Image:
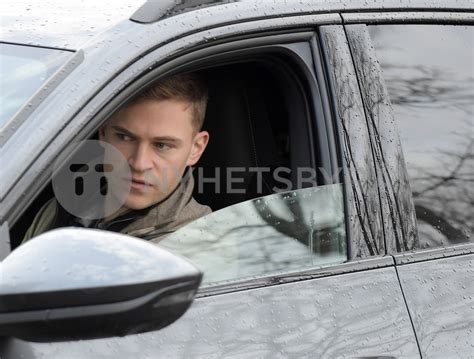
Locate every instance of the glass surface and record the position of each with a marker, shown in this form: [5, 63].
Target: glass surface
[278, 233]
[23, 70]
[429, 73]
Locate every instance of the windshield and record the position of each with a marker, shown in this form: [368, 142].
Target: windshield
[23, 69]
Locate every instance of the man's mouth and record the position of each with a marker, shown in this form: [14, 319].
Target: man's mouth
[138, 183]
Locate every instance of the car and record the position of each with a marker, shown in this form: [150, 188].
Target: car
[339, 173]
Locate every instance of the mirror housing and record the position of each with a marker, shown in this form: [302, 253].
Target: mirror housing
[74, 283]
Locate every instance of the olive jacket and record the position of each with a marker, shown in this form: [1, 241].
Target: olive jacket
[152, 223]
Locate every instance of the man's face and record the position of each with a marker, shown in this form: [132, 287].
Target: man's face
[158, 140]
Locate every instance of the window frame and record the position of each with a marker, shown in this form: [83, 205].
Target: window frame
[355, 152]
[322, 120]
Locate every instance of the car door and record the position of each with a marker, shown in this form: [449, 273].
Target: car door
[343, 303]
[426, 62]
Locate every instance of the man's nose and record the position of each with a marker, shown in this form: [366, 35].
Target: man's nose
[140, 160]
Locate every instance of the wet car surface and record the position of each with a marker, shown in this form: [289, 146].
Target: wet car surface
[372, 258]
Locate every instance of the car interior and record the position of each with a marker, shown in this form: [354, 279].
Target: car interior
[257, 116]
[252, 124]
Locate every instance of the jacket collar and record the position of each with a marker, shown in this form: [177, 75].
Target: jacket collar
[160, 214]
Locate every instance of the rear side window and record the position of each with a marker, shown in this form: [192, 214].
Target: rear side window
[429, 73]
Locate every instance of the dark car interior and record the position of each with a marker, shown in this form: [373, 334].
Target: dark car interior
[252, 124]
[257, 116]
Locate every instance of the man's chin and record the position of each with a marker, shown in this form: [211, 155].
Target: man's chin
[139, 203]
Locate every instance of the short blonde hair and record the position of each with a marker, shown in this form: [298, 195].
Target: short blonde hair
[188, 87]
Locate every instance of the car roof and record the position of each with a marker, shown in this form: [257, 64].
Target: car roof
[68, 24]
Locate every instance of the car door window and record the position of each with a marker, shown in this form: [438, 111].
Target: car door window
[278, 233]
[429, 73]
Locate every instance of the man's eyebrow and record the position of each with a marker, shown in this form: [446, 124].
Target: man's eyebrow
[169, 139]
[124, 130]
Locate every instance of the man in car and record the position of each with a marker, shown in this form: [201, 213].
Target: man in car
[159, 135]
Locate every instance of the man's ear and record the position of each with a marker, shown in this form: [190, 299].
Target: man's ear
[199, 145]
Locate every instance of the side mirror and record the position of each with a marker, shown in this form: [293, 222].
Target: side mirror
[70, 284]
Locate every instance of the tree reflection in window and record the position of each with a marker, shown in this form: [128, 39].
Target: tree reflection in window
[429, 73]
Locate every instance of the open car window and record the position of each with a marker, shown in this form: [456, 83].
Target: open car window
[261, 174]
[279, 233]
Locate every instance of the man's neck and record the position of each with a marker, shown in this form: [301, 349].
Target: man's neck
[110, 204]
[116, 214]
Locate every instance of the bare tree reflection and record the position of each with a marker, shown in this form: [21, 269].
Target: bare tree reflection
[430, 87]
[366, 228]
[395, 199]
[318, 238]
[445, 199]
[443, 195]
[438, 91]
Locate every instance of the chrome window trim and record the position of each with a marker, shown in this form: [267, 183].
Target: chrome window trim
[423, 255]
[296, 276]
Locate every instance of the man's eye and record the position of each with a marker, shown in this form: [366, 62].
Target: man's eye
[123, 137]
[162, 146]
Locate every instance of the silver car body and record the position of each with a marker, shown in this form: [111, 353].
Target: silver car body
[390, 304]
